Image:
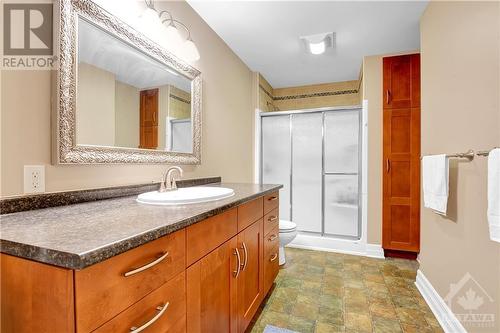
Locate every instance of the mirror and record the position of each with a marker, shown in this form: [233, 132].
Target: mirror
[128, 99]
[134, 102]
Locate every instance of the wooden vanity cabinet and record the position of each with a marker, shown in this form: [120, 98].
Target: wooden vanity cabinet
[208, 277]
[226, 286]
[251, 279]
[212, 291]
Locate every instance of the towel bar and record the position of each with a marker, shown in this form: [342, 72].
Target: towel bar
[468, 155]
[485, 152]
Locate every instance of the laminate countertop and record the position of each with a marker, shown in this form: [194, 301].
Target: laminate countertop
[80, 235]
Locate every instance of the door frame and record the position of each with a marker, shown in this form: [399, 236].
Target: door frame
[362, 168]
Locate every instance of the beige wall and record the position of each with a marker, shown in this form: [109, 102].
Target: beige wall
[348, 94]
[460, 111]
[372, 92]
[127, 115]
[227, 122]
[179, 109]
[95, 119]
[283, 99]
[266, 93]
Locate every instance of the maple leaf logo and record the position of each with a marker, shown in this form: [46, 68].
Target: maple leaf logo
[470, 301]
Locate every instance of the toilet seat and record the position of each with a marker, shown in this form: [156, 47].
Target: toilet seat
[287, 226]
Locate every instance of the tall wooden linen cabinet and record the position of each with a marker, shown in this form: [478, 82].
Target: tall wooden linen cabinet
[401, 156]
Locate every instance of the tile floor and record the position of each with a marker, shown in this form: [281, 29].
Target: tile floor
[330, 292]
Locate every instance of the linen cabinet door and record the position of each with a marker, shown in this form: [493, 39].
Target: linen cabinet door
[251, 279]
[211, 286]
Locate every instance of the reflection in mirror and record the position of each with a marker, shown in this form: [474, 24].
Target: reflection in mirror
[126, 98]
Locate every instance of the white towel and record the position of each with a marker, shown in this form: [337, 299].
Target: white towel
[435, 180]
[494, 194]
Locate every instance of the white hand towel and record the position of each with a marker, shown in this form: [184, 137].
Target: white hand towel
[494, 194]
[435, 180]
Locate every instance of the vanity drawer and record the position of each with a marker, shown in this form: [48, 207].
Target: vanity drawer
[271, 266]
[164, 309]
[271, 221]
[205, 236]
[250, 212]
[271, 201]
[109, 287]
[271, 240]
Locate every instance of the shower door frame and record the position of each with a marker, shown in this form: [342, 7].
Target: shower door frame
[323, 111]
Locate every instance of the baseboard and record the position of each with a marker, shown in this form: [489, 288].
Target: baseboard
[374, 251]
[329, 244]
[442, 312]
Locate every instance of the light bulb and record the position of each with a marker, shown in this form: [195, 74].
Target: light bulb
[190, 51]
[317, 48]
[173, 39]
[150, 23]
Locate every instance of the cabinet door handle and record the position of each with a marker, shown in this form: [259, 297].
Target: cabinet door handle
[272, 218]
[388, 165]
[154, 118]
[244, 247]
[238, 264]
[272, 198]
[273, 258]
[143, 268]
[273, 237]
[161, 309]
[387, 96]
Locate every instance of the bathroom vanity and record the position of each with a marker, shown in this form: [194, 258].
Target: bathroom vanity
[120, 266]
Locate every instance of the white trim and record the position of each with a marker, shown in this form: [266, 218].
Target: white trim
[339, 245]
[374, 251]
[298, 111]
[442, 312]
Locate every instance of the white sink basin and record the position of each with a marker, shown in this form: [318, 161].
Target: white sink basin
[187, 195]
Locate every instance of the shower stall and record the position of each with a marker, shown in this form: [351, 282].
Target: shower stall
[316, 155]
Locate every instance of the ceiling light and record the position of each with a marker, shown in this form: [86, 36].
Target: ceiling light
[317, 44]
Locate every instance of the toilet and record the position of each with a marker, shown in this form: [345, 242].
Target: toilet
[288, 231]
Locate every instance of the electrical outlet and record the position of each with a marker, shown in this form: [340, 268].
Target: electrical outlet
[34, 178]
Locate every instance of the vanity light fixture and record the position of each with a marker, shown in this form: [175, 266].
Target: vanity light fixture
[163, 26]
[317, 44]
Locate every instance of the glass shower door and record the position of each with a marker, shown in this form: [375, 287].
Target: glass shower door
[276, 157]
[341, 173]
[307, 139]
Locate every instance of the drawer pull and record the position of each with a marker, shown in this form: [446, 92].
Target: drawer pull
[273, 258]
[161, 309]
[244, 247]
[151, 264]
[272, 198]
[238, 264]
[272, 238]
[272, 218]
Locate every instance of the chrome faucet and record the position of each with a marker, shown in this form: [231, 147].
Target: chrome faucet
[168, 183]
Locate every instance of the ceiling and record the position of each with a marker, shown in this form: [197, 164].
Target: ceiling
[265, 35]
[129, 65]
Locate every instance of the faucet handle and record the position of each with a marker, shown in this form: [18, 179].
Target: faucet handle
[162, 184]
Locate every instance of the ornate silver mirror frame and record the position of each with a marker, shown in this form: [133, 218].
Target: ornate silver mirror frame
[65, 148]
